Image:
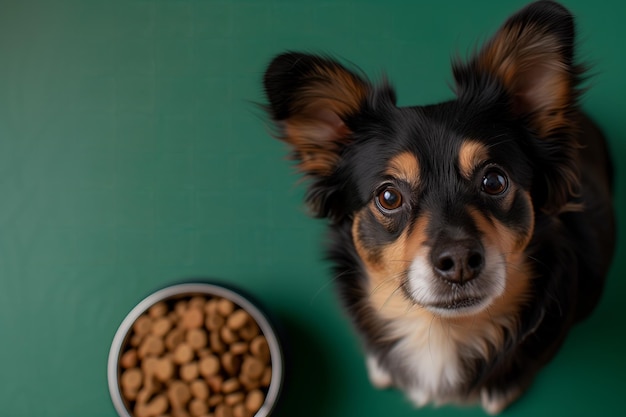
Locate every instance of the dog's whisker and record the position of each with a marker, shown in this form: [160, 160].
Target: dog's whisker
[328, 283]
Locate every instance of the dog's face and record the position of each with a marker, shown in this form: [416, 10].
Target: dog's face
[440, 207]
[441, 200]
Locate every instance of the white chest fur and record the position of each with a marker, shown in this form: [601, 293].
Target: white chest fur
[431, 351]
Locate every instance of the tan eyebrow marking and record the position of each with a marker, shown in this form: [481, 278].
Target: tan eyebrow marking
[405, 166]
[471, 154]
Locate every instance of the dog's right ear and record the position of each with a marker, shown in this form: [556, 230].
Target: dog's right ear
[310, 98]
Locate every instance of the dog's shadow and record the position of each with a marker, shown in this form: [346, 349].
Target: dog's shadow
[310, 383]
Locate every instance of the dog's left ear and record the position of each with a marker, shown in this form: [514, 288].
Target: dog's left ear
[531, 58]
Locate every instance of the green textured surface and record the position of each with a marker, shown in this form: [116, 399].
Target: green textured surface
[132, 155]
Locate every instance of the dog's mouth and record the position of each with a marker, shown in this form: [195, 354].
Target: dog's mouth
[458, 304]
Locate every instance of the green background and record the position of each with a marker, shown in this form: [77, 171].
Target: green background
[132, 154]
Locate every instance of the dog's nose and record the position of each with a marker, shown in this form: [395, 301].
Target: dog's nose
[458, 261]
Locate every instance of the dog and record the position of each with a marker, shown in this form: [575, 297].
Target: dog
[467, 237]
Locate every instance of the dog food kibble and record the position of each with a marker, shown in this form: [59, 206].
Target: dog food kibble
[209, 366]
[225, 307]
[158, 310]
[254, 400]
[192, 318]
[195, 357]
[161, 326]
[199, 389]
[183, 353]
[151, 346]
[131, 379]
[260, 348]
[129, 359]
[189, 371]
[239, 410]
[142, 325]
[198, 407]
[223, 410]
[196, 338]
[237, 320]
[249, 330]
[163, 369]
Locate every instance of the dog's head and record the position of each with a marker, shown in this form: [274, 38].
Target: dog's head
[442, 199]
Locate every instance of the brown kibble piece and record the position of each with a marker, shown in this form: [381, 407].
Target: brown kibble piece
[192, 318]
[197, 302]
[161, 326]
[180, 307]
[183, 354]
[210, 307]
[178, 394]
[249, 330]
[239, 348]
[215, 400]
[203, 353]
[230, 385]
[189, 371]
[157, 406]
[223, 410]
[215, 383]
[144, 395]
[158, 310]
[199, 389]
[149, 365]
[172, 316]
[142, 325]
[249, 383]
[135, 340]
[225, 307]
[131, 379]
[129, 359]
[228, 335]
[216, 343]
[129, 395]
[179, 412]
[209, 366]
[252, 367]
[260, 348]
[198, 407]
[231, 363]
[266, 378]
[237, 320]
[239, 410]
[254, 400]
[174, 338]
[213, 321]
[164, 369]
[234, 398]
[151, 346]
[196, 338]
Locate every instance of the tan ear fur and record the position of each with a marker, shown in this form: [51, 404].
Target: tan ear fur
[317, 131]
[530, 64]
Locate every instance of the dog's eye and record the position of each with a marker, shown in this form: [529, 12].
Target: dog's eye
[389, 199]
[494, 182]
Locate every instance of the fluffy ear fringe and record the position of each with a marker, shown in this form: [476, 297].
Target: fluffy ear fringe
[310, 99]
[531, 60]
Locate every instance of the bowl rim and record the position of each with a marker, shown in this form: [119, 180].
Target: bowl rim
[190, 289]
